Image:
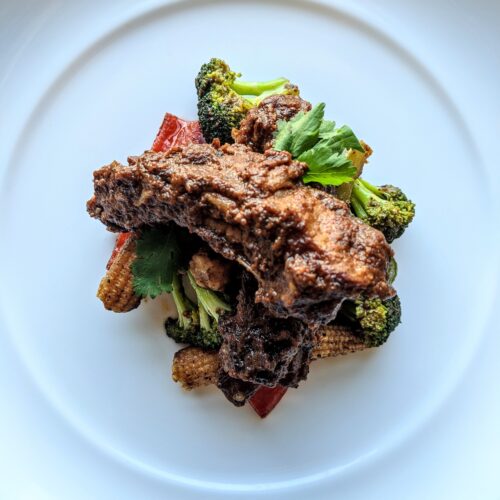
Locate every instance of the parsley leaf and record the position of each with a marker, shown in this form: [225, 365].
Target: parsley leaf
[315, 141]
[156, 262]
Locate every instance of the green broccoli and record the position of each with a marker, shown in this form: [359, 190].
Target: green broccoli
[187, 325]
[385, 208]
[196, 323]
[223, 101]
[392, 193]
[195, 336]
[209, 303]
[373, 319]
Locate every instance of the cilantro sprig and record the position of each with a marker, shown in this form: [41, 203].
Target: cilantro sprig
[316, 141]
[157, 257]
[301, 132]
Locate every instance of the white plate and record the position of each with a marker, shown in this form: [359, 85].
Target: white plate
[88, 407]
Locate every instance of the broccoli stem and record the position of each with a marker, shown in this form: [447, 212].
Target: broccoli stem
[257, 88]
[204, 318]
[374, 189]
[208, 300]
[357, 206]
[182, 303]
[363, 194]
[254, 101]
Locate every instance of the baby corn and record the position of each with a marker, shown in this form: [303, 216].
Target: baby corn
[193, 367]
[116, 289]
[335, 341]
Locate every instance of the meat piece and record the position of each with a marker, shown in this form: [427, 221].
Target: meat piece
[304, 247]
[210, 271]
[257, 128]
[236, 391]
[259, 348]
[195, 367]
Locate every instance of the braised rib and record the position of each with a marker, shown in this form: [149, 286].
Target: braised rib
[261, 349]
[307, 252]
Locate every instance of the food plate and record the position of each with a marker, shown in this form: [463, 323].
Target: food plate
[88, 406]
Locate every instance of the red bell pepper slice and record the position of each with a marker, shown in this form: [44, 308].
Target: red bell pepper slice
[265, 399]
[175, 131]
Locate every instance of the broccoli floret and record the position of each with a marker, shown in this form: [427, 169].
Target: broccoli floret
[186, 328]
[392, 193]
[223, 101]
[187, 314]
[386, 208]
[207, 339]
[373, 319]
[210, 304]
[196, 323]
[180, 334]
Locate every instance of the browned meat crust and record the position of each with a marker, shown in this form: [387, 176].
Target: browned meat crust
[259, 348]
[236, 391]
[305, 249]
[258, 127]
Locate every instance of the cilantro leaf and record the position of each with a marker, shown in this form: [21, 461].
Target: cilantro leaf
[301, 132]
[325, 167]
[284, 135]
[337, 172]
[326, 129]
[317, 156]
[315, 141]
[157, 258]
[343, 138]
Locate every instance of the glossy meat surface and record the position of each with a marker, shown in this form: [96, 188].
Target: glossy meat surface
[305, 249]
